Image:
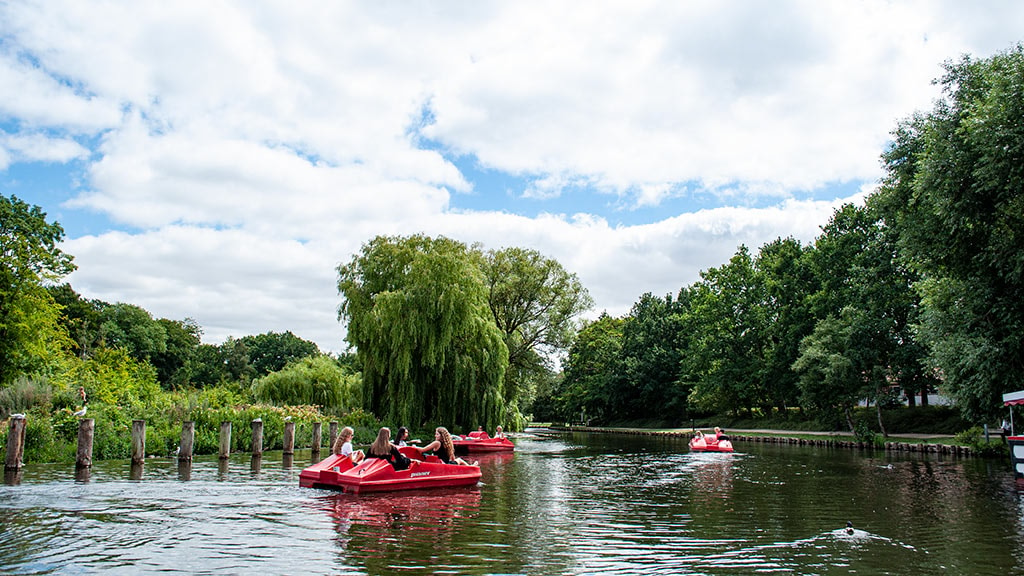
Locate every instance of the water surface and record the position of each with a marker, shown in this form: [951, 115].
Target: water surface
[561, 504]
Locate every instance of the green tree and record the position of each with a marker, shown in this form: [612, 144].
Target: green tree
[865, 287]
[954, 192]
[535, 303]
[788, 281]
[134, 330]
[587, 391]
[80, 317]
[647, 372]
[723, 360]
[829, 381]
[311, 380]
[208, 366]
[182, 340]
[272, 351]
[30, 331]
[417, 315]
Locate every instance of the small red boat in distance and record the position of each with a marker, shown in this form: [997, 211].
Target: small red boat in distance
[702, 443]
[375, 475]
[481, 442]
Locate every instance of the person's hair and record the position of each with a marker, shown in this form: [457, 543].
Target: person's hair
[498, 428]
[382, 445]
[401, 434]
[447, 448]
[345, 435]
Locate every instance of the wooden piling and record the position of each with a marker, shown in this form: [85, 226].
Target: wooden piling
[225, 440]
[86, 428]
[15, 443]
[289, 438]
[333, 435]
[138, 441]
[315, 444]
[257, 438]
[188, 437]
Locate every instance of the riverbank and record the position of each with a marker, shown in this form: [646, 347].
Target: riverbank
[923, 443]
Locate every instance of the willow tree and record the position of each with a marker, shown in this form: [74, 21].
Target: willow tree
[417, 315]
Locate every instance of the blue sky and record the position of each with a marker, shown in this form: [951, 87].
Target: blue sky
[217, 161]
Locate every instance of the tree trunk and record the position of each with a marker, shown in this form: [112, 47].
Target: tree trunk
[849, 420]
[881, 425]
[924, 397]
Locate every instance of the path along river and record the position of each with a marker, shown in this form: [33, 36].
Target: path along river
[561, 504]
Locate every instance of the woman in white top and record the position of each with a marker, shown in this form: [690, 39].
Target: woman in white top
[343, 445]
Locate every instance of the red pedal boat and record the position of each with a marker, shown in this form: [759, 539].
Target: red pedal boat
[481, 442]
[701, 443]
[375, 475]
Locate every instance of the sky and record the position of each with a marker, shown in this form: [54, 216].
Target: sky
[218, 160]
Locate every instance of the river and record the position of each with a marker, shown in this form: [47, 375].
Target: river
[561, 504]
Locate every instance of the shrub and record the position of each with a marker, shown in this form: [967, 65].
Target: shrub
[24, 395]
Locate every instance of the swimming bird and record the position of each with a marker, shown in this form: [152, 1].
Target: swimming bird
[849, 527]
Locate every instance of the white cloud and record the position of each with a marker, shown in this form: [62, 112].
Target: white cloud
[249, 147]
[39, 147]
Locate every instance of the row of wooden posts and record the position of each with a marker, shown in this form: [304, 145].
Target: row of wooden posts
[86, 427]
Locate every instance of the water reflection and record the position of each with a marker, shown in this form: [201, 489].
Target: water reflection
[136, 471]
[83, 473]
[184, 470]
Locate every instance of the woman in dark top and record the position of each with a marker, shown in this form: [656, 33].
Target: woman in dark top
[442, 447]
[383, 449]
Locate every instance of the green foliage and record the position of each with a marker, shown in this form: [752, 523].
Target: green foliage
[315, 380]
[172, 364]
[535, 303]
[30, 333]
[829, 382]
[728, 323]
[133, 329]
[271, 351]
[587, 388]
[80, 318]
[24, 395]
[110, 377]
[648, 361]
[954, 192]
[975, 438]
[417, 314]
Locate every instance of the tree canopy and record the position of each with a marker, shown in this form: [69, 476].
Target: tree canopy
[418, 316]
[30, 329]
[535, 303]
[954, 192]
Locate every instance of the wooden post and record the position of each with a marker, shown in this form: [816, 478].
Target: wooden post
[86, 427]
[138, 441]
[289, 438]
[188, 437]
[315, 445]
[257, 438]
[225, 440]
[15, 443]
[333, 436]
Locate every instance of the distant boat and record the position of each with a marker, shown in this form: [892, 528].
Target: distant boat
[702, 443]
[481, 442]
